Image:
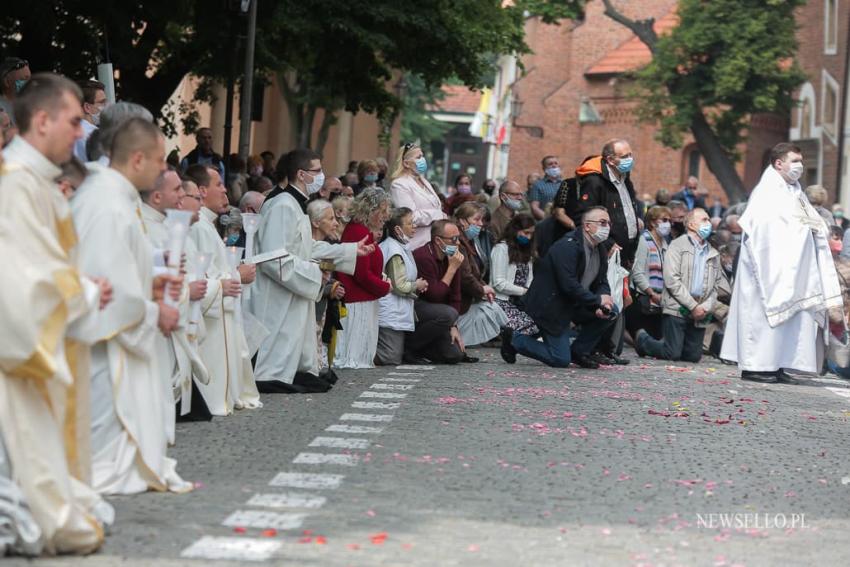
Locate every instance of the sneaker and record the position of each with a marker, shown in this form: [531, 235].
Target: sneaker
[638, 338]
[507, 349]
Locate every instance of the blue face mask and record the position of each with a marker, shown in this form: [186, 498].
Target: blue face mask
[626, 164]
[704, 231]
[472, 231]
[19, 85]
[421, 165]
[231, 240]
[523, 240]
[370, 177]
[450, 250]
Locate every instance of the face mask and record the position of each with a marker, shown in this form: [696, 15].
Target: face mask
[318, 181]
[836, 246]
[345, 219]
[95, 118]
[513, 204]
[626, 165]
[421, 165]
[232, 239]
[523, 240]
[704, 231]
[838, 214]
[727, 267]
[370, 177]
[19, 85]
[736, 237]
[663, 228]
[553, 172]
[601, 234]
[472, 231]
[464, 189]
[678, 227]
[401, 236]
[450, 250]
[795, 171]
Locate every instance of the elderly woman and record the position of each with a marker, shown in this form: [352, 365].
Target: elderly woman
[357, 343]
[481, 319]
[410, 189]
[342, 211]
[648, 273]
[367, 176]
[324, 226]
[818, 197]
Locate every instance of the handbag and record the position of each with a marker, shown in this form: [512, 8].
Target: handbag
[838, 350]
[647, 307]
[616, 279]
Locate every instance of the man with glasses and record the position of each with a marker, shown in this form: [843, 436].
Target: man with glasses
[512, 198]
[14, 74]
[570, 286]
[94, 101]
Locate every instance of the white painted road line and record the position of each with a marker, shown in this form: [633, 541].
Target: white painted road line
[380, 386]
[365, 417]
[843, 392]
[307, 480]
[400, 380]
[325, 459]
[405, 374]
[375, 405]
[414, 367]
[384, 395]
[287, 500]
[340, 442]
[262, 519]
[235, 548]
[340, 428]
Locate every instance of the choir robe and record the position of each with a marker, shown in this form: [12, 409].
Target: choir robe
[128, 431]
[46, 504]
[178, 358]
[223, 349]
[287, 291]
[784, 284]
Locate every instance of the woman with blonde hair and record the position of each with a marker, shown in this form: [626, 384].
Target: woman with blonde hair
[410, 189]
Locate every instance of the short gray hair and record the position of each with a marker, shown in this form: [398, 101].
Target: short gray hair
[253, 199]
[367, 201]
[317, 208]
[111, 119]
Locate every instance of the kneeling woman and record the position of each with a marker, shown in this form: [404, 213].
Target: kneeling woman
[481, 319]
[358, 340]
[511, 272]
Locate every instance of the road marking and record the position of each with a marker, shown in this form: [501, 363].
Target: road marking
[307, 480]
[400, 380]
[405, 374]
[414, 367]
[385, 395]
[843, 392]
[375, 405]
[365, 417]
[287, 500]
[263, 519]
[380, 386]
[340, 442]
[236, 548]
[341, 428]
[325, 459]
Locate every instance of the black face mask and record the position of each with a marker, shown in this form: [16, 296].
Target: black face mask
[677, 229]
[380, 176]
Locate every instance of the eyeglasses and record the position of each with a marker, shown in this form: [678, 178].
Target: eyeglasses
[452, 239]
[600, 222]
[14, 66]
[317, 170]
[664, 219]
[198, 198]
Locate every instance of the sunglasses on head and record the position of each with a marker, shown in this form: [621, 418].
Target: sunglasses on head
[15, 65]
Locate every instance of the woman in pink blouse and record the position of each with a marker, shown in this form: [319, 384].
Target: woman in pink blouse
[410, 189]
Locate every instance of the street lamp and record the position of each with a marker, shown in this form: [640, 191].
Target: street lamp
[516, 108]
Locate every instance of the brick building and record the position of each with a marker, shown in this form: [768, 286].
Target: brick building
[572, 98]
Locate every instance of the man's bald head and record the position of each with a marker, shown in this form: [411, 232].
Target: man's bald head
[138, 152]
[251, 202]
[331, 188]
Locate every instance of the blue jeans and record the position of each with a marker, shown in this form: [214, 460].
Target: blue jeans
[555, 350]
[682, 340]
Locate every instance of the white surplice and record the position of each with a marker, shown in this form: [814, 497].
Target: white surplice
[784, 283]
[287, 290]
[178, 359]
[44, 382]
[128, 432]
[223, 349]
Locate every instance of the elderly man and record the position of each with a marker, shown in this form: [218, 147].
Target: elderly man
[112, 117]
[44, 384]
[14, 74]
[203, 153]
[570, 285]
[690, 194]
[785, 280]
[331, 189]
[692, 276]
[678, 212]
[251, 202]
[512, 197]
[734, 227]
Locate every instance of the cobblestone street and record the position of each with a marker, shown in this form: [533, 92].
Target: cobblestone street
[490, 464]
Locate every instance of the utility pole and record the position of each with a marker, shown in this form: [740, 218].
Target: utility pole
[247, 82]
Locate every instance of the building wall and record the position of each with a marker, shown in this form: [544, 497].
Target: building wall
[552, 90]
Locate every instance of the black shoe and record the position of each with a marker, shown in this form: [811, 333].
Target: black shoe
[507, 349]
[640, 352]
[611, 359]
[467, 358]
[784, 378]
[414, 359]
[762, 377]
[585, 361]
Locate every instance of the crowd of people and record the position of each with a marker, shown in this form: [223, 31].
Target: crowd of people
[144, 289]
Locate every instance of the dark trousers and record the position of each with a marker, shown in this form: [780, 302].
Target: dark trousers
[432, 337]
[682, 340]
[555, 350]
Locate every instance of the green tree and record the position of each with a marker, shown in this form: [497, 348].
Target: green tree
[724, 62]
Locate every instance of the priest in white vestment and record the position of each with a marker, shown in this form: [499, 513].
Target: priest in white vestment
[46, 504]
[128, 432]
[785, 280]
[223, 349]
[288, 289]
[178, 358]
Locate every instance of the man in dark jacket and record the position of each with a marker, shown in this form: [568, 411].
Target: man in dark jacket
[689, 195]
[570, 285]
[203, 153]
[604, 181]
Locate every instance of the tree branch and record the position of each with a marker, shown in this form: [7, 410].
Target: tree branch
[643, 29]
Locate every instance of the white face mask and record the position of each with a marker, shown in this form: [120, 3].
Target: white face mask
[401, 236]
[601, 234]
[663, 228]
[318, 181]
[795, 171]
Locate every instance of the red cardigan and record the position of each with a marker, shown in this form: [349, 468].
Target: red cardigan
[366, 284]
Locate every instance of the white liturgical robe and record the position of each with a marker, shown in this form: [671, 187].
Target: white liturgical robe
[287, 289]
[44, 382]
[784, 283]
[128, 432]
[223, 349]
